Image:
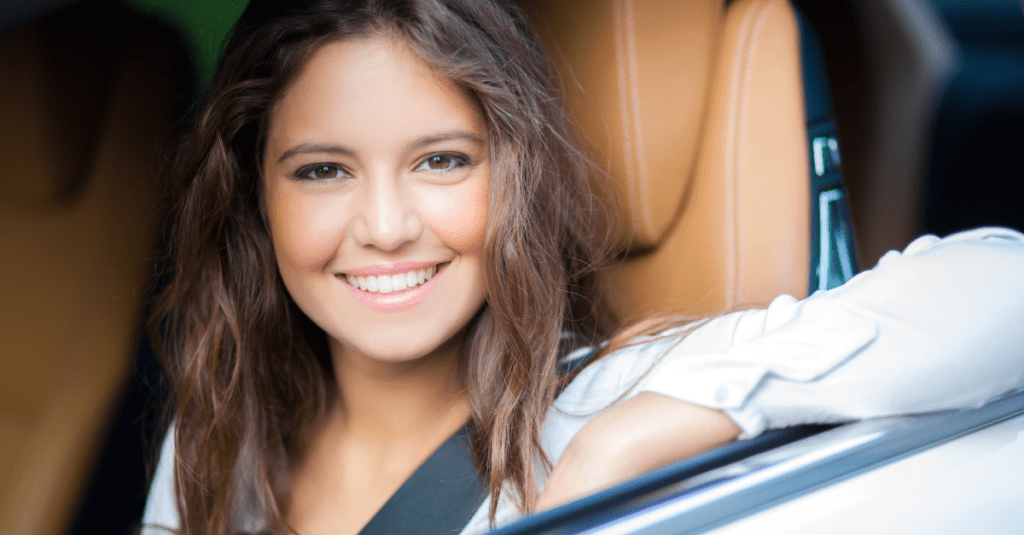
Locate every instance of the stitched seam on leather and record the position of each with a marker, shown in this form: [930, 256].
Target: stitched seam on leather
[640, 187]
[627, 133]
[732, 221]
[744, 92]
[755, 35]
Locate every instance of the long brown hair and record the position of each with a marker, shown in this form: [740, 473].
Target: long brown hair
[251, 372]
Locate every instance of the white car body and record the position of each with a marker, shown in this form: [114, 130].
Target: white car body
[945, 473]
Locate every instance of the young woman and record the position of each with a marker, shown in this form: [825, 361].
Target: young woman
[384, 230]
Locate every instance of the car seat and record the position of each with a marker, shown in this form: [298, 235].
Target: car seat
[86, 104]
[697, 111]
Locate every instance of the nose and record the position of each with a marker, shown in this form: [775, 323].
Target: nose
[387, 218]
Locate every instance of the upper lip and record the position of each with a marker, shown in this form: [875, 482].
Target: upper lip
[391, 269]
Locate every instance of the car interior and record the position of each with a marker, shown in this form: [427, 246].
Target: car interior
[719, 123]
[89, 98]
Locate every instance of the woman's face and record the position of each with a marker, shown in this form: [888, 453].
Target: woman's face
[376, 178]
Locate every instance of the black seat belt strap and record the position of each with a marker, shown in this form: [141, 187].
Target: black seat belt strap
[444, 493]
[441, 496]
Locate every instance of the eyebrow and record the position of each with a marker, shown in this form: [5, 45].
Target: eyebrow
[317, 148]
[447, 136]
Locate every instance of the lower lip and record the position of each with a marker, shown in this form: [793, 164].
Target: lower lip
[395, 301]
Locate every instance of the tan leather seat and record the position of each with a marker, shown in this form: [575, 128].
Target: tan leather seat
[697, 110]
[78, 213]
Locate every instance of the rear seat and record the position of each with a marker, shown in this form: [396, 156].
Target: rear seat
[87, 107]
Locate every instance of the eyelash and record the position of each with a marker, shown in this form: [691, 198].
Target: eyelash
[305, 172]
[456, 161]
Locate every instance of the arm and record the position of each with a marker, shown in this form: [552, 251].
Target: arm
[633, 437]
[937, 327]
[947, 316]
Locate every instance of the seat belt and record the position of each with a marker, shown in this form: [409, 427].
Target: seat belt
[444, 493]
[439, 497]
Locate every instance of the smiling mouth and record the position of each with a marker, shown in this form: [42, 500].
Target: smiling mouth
[386, 284]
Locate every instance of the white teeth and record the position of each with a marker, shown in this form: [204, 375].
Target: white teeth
[392, 283]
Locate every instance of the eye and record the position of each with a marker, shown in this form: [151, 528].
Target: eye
[321, 171]
[442, 162]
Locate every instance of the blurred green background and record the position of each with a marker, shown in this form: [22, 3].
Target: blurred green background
[204, 25]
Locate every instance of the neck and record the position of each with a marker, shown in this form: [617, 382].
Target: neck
[403, 402]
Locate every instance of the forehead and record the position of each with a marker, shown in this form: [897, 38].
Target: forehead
[366, 89]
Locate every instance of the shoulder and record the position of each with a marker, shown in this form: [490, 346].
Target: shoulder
[622, 374]
[161, 513]
[628, 370]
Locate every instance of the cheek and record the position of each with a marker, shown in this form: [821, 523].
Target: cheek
[306, 231]
[459, 217]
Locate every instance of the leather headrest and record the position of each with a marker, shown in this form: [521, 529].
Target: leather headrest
[636, 75]
[52, 92]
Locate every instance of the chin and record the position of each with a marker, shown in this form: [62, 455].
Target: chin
[399, 346]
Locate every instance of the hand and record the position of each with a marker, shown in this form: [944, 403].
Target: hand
[633, 437]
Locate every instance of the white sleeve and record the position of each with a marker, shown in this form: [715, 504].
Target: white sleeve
[948, 316]
[161, 515]
[940, 326]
